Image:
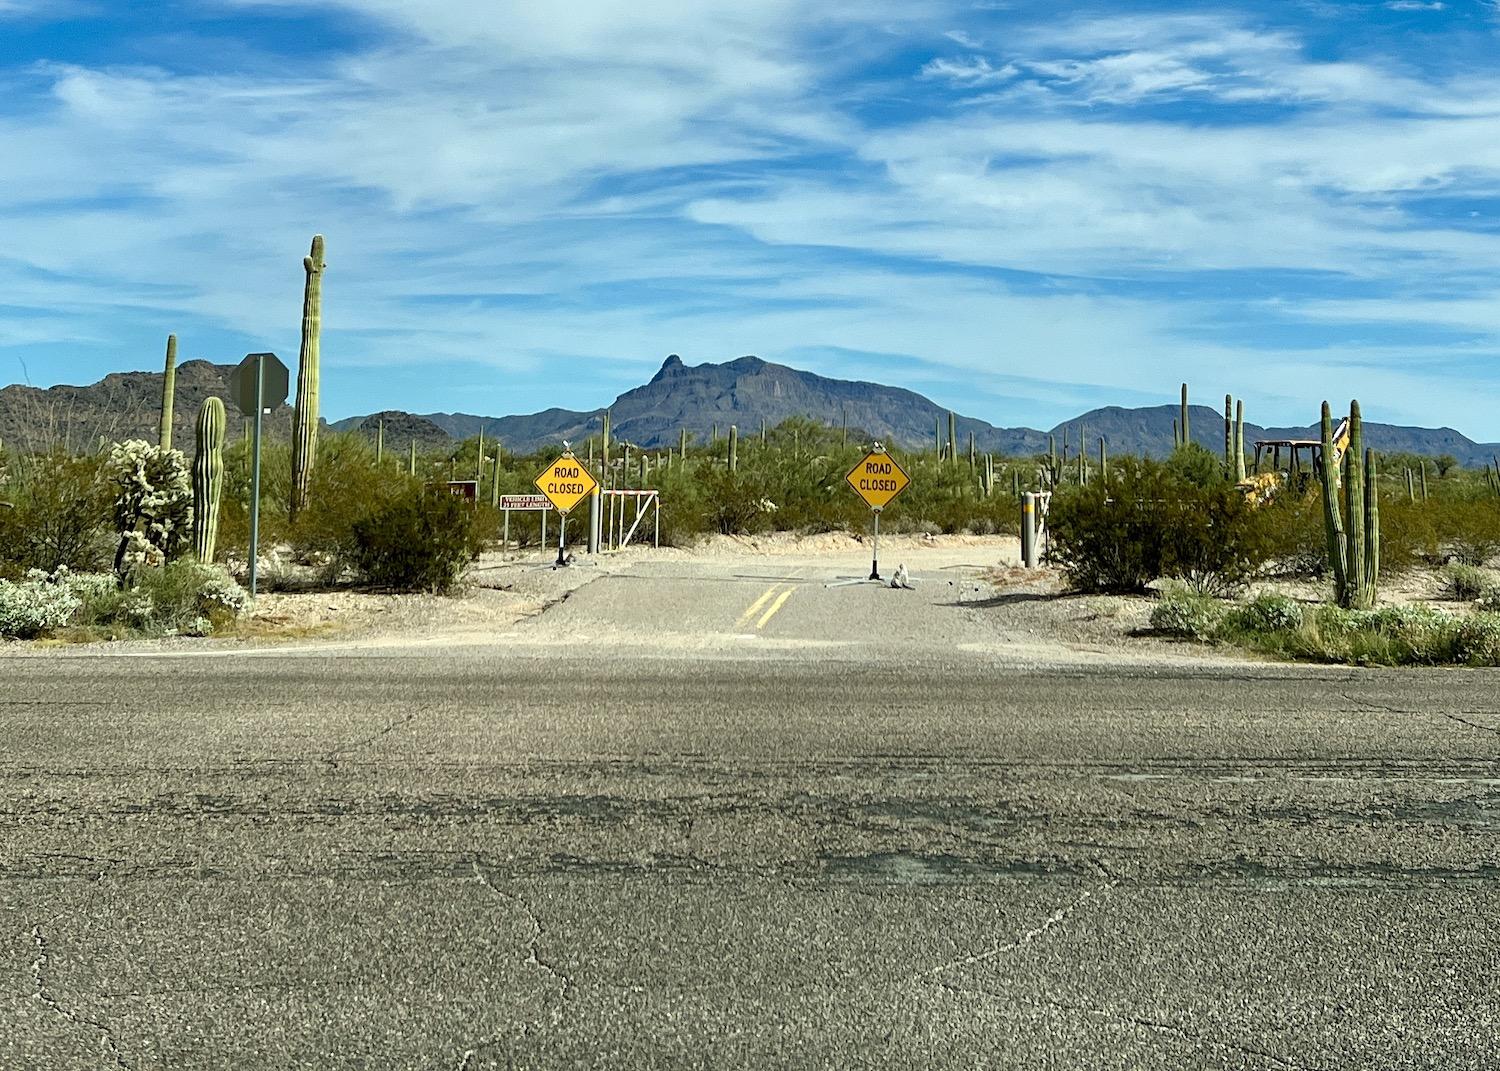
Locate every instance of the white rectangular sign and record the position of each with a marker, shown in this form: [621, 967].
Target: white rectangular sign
[524, 502]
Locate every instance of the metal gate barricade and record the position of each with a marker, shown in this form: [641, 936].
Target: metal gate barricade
[617, 513]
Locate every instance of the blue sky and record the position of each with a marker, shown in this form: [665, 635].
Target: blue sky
[1021, 209]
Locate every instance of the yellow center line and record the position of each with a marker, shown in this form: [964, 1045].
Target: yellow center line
[756, 605]
[780, 601]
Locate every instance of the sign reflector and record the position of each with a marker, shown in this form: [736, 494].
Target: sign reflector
[877, 479]
[566, 482]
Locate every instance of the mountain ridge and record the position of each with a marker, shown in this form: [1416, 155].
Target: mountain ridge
[699, 398]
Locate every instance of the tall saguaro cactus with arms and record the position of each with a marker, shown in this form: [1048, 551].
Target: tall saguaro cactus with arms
[305, 425]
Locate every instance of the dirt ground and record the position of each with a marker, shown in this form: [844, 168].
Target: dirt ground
[504, 588]
[1033, 606]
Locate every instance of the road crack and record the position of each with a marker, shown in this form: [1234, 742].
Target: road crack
[1176, 1029]
[1051, 922]
[44, 993]
[333, 756]
[534, 959]
[1458, 719]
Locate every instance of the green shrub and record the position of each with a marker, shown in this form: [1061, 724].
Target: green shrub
[1267, 613]
[1295, 543]
[1464, 583]
[1408, 534]
[1468, 530]
[1147, 523]
[348, 490]
[1476, 641]
[420, 543]
[1195, 464]
[183, 597]
[1186, 614]
[59, 515]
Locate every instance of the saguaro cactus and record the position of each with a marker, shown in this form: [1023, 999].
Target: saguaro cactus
[379, 441]
[682, 443]
[1239, 442]
[952, 438]
[1352, 526]
[1103, 461]
[1183, 421]
[168, 392]
[734, 444]
[411, 459]
[208, 478]
[305, 419]
[1229, 435]
[604, 441]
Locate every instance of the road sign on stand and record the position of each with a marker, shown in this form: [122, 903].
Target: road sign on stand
[566, 482]
[877, 479]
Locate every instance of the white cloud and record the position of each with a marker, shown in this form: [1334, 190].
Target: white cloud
[505, 183]
[969, 71]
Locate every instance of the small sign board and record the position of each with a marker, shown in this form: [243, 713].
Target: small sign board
[275, 382]
[468, 490]
[525, 502]
[877, 479]
[566, 482]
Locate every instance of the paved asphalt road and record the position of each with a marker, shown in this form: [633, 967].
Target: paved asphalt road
[681, 821]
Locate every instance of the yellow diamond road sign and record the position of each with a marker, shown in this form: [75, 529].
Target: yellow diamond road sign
[566, 482]
[877, 479]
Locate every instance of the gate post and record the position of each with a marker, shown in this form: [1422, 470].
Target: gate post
[1028, 530]
[595, 504]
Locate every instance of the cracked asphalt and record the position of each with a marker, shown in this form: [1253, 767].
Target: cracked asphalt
[648, 829]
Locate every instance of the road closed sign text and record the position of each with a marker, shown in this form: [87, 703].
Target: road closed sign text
[566, 483]
[877, 479]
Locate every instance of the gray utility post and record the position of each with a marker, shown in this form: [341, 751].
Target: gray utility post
[260, 382]
[1028, 530]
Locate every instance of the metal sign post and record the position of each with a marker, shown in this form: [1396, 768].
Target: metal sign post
[260, 408]
[877, 479]
[258, 383]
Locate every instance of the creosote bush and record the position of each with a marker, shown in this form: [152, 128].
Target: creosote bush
[1150, 521]
[419, 543]
[59, 514]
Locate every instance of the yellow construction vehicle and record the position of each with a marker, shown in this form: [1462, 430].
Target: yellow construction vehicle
[1304, 463]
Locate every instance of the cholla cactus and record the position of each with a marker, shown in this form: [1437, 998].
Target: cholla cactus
[153, 504]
